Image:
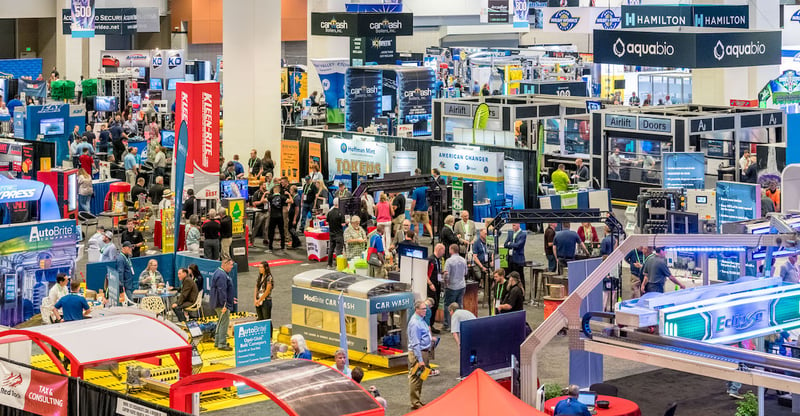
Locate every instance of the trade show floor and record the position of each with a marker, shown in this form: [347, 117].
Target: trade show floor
[650, 387]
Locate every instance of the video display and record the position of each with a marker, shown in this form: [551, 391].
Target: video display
[51, 126]
[168, 138]
[234, 189]
[72, 191]
[172, 83]
[107, 103]
[156, 84]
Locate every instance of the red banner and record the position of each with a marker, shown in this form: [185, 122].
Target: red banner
[31, 390]
[198, 104]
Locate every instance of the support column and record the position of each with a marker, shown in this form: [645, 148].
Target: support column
[324, 46]
[719, 86]
[251, 45]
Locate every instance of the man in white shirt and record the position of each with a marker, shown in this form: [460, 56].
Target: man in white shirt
[744, 162]
[60, 289]
[457, 316]
[789, 272]
[340, 359]
[97, 239]
[109, 251]
[614, 164]
[130, 127]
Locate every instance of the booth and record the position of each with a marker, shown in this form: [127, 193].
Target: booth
[64, 183]
[316, 295]
[644, 135]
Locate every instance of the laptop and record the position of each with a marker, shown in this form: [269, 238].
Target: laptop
[588, 398]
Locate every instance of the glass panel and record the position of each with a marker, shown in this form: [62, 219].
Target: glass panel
[636, 160]
[645, 86]
[576, 137]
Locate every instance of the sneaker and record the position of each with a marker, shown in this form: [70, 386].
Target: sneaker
[329, 267]
[269, 251]
[435, 331]
[735, 395]
[225, 348]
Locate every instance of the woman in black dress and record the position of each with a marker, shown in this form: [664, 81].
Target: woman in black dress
[263, 294]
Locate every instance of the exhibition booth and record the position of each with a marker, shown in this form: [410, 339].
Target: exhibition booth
[644, 135]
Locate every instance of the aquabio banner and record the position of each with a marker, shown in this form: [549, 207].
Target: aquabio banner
[82, 18]
[331, 74]
[363, 95]
[33, 391]
[415, 98]
[197, 103]
[364, 157]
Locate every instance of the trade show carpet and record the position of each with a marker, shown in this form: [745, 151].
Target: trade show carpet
[276, 262]
[653, 391]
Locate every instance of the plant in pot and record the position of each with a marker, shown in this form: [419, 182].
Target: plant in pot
[748, 405]
[552, 390]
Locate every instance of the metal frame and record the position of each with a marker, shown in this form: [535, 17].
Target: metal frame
[568, 315]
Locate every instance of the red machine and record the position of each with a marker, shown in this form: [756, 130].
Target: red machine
[64, 183]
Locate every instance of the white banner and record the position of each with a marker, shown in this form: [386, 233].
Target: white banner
[515, 182]
[365, 157]
[468, 163]
[791, 25]
[404, 161]
[580, 19]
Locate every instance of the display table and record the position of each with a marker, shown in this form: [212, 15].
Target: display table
[617, 406]
[100, 189]
[317, 244]
[157, 236]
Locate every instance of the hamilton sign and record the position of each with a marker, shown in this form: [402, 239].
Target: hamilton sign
[687, 49]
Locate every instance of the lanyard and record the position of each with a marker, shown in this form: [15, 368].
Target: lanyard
[498, 292]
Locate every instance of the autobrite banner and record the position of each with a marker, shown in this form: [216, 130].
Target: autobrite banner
[415, 98]
[331, 74]
[82, 25]
[197, 103]
[33, 391]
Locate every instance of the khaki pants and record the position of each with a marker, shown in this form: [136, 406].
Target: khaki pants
[225, 248]
[414, 382]
[636, 287]
[397, 223]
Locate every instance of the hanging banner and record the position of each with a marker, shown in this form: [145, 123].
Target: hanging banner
[404, 161]
[725, 16]
[415, 99]
[197, 103]
[331, 74]
[580, 19]
[33, 391]
[520, 17]
[468, 163]
[364, 157]
[179, 179]
[363, 97]
[497, 11]
[82, 25]
[113, 21]
[290, 160]
[314, 155]
[791, 24]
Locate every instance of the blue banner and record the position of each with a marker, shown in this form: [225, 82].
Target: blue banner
[82, 25]
[96, 273]
[331, 74]
[415, 98]
[252, 346]
[181, 155]
[684, 170]
[343, 330]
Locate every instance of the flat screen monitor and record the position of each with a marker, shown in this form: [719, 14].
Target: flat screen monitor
[233, 189]
[142, 71]
[156, 84]
[680, 222]
[701, 199]
[168, 138]
[172, 83]
[106, 103]
[386, 103]
[51, 126]
[410, 250]
[72, 191]
[587, 397]
[479, 346]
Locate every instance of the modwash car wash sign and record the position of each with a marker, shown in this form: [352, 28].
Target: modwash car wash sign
[687, 49]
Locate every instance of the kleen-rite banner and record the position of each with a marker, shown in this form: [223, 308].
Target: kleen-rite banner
[468, 163]
[82, 25]
[364, 157]
[33, 391]
[197, 103]
[331, 74]
[415, 98]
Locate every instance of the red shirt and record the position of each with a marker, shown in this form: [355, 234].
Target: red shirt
[86, 162]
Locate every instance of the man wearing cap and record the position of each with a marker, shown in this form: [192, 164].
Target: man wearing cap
[133, 236]
[127, 282]
[96, 240]
[108, 252]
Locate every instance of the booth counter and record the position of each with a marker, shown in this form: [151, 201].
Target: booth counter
[376, 312]
[643, 135]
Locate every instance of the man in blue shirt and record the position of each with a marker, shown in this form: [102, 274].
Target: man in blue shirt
[636, 259]
[608, 244]
[564, 244]
[105, 139]
[222, 300]
[128, 283]
[656, 273]
[73, 306]
[14, 103]
[571, 406]
[131, 167]
[419, 346]
[419, 210]
[516, 259]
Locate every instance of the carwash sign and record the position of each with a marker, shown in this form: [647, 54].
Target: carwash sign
[686, 49]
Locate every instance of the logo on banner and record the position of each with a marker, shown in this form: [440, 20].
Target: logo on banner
[656, 49]
[343, 147]
[175, 60]
[608, 19]
[564, 20]
[740, 321]
[753, 48]
[386, 26]
[456, 166]
[49, 233]
[158, 60]
[326, 84]
[363, 91]
[12, 380]
[208, 120]
[50, 108]
[418, 93]
[333, 26]
[135, 57]
[381, 43]
[795, 17]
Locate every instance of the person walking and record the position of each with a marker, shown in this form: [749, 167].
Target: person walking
[419, 347]
[277, 200]
[383, 216]
[222, 301]
[435, 277]
[516, 259]
[335, 220]
[263, 298]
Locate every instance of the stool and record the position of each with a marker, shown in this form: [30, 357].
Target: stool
[547, 277]
[536, 278]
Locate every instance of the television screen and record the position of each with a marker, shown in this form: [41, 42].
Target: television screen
[142, 71]
[105, 103]
[172, 83]
[156, 84]
[168, 138]
[51, 126]
[72, 185]
[233, 189]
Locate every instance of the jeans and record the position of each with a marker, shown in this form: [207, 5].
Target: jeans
[84, 203]
[221, 336]
[211, 249]
[450, 296]
[335, 245]
[301, 222]
[733, 387]
[552, 263]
